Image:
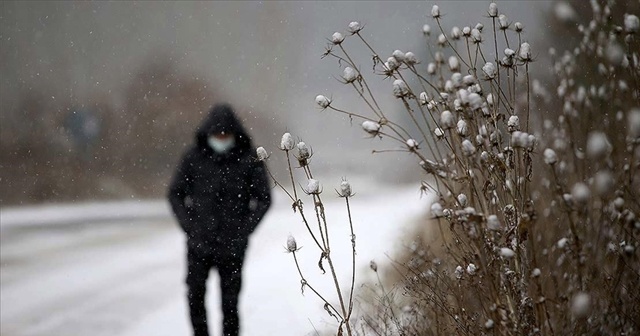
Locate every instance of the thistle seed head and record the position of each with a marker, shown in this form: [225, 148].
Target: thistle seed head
[354, 27]
[337, 38]
[292, 246]
[286, 143]
[262, 153]
[323, 101]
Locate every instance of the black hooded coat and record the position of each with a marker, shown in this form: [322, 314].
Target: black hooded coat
[219, 199]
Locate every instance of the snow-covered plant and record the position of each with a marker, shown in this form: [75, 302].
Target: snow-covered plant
[311, 187]
[510, 183]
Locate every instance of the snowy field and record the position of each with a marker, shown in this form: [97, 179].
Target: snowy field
[118, 268]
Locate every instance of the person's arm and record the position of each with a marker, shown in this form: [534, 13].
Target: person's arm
[179, 190]
[260, 194]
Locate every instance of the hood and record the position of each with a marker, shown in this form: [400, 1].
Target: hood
[221, 118]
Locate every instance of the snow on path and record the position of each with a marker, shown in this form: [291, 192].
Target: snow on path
[126, 278]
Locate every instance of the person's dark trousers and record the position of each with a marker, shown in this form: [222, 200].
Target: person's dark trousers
[230, 269]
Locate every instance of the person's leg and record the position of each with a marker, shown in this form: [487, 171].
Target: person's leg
[230, 284]
[198, 272]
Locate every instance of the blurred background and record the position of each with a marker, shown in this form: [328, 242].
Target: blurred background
[99, 99]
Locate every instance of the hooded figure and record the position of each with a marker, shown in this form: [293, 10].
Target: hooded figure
[219, 194]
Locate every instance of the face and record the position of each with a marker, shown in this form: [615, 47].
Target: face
[221, 142]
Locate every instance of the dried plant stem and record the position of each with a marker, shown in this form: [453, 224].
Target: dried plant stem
[293, 183]
[497, 59]
[353, 259]
[381, 115]
[297, 204]
[339, 292]
[572, 227]
[451, 45]
[469, 54]
[528, 96]
[306, 284]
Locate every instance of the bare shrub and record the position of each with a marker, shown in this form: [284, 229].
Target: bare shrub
[340, 307]
[537, 212]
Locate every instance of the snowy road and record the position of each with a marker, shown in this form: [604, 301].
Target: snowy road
[125, 277]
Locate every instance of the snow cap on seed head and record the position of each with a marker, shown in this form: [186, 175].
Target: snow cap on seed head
[345, 189]
[462, 128]
[431, 68]
[436, 209]
[550, 156]
[354, 27]
[631, 23]
[423, 99]
[261, 153]
[503, 22]
[519, 26]
[435, 11]
[509, 52]
[454, 63]
[400, 88]
[468, 148]
[426, 29]
[456, 79]
[476, 35]
[447, 120]
[468, 80]
[493, 9]
[489, 324]
[493, 223]
[484, 156]
[398, 55]
[565, 12]
[286, 143]
[580, 193]
[292, 246]
[410, 58]
[513, 124]
[323, 101]
[471, 269]
[525, 52]
[598, 146]
[581, 304]
[303, 150]
[456, 33]
[337, 38]
[439, 56]
[391, 64]
[313, 186]
[506, 252]
[489, 70]
[412, 144]
[349, 75]
[459, 272]
[371, 127]
[518, 139]
[462, 199]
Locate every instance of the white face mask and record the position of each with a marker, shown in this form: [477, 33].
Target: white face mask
[221, 146]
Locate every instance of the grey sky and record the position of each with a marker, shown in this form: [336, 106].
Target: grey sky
[262, 55]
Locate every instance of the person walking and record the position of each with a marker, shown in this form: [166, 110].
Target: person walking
[219, 194]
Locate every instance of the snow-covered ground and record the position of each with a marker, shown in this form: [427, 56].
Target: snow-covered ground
[118, 268]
